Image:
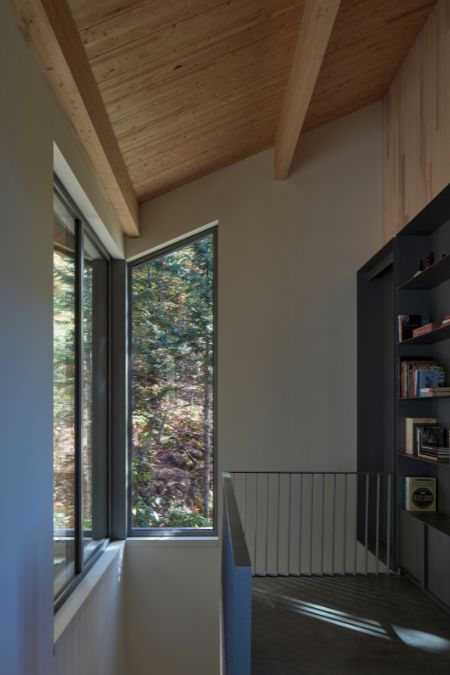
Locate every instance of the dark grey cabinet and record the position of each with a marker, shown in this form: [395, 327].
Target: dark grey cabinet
[438, 565]
[412, 546]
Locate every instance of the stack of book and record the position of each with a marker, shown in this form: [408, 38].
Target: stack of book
[435, 452]
[435, 391]
[420, 373]
[425, 438]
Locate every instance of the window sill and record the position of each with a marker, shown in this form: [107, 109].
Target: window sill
[173, 542]
[76, 600]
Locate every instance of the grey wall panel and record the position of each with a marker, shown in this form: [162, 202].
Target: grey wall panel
[412, 546]
[438, 565]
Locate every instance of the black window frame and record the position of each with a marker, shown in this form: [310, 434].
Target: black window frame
[82, 230]
[175, 532]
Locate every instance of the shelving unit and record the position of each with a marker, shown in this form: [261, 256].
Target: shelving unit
[427, 294]
[422, 540]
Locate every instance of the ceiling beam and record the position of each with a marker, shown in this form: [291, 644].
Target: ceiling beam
[49, 27]
[315, 31]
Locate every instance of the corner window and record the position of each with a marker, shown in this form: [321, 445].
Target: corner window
[172, 377]
[80, 394]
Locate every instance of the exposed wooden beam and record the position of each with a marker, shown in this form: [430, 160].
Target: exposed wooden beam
[315, 31]
[49, 27]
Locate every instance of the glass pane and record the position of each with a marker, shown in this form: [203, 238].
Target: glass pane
[172, 388]
[63, 404]
[94, 438]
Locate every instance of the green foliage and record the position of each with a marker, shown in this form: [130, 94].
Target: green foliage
[172, 373]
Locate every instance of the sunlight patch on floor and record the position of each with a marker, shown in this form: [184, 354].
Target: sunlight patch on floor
[421, 640]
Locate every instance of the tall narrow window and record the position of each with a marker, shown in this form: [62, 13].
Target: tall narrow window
[172, 387]
[80, 328]
[64, 402]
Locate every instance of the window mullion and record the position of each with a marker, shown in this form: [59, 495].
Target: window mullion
[79, 397]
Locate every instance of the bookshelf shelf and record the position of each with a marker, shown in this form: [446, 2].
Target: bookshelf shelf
[423, 459]
[437, 335]
[429, 278]
[422, 398]
[438, 521]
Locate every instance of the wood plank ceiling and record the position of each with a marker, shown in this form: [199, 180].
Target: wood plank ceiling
[193, 85]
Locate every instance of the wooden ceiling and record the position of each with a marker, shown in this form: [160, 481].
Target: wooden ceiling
[193, 85]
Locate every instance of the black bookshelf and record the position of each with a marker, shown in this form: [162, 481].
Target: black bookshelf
[381, 428]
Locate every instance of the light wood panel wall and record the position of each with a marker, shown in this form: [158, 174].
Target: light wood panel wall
[417, 124]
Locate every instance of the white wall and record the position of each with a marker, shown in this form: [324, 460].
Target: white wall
[288, 255]
[91, 643]
[30, 122]
[172, 601]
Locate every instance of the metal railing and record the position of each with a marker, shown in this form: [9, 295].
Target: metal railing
[307, 523]
[236, 587]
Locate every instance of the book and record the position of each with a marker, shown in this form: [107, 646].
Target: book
[406, 324]
[427, 328]
[425, 378]
[435, 453]
[435, 391]
[420, 493]
[411, 424]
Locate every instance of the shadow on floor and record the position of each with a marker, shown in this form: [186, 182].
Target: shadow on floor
[347, 626]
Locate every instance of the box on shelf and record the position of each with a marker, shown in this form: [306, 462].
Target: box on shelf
[420, 493]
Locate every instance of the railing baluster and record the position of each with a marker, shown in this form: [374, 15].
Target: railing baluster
[300, 527]
[256, 522]
[333, 525]
[311, 527]
[277, 570]
[366, 534]
[322, 529]
[267, 524]
[355, 544]
[245, 503]
[377, 527]
[289, 527]
[344, 546]
[388, 527]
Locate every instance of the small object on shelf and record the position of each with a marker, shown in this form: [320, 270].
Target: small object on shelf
[411, 426]
[431, 435]
[420, 270]
[427, 328]
[420, 493]
[428, 434]
[429, 260]
[445, 320]
[407, 323]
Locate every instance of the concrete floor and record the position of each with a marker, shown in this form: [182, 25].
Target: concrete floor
[347, 626]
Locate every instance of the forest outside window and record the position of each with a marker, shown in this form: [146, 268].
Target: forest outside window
[173, 349]
[80, 386]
